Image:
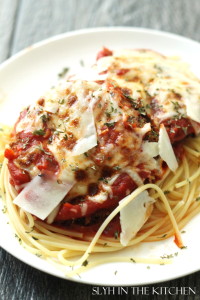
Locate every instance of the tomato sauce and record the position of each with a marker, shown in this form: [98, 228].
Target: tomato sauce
[112, 230]
[104, 52]
[42, 158]
[18, 175]
[178, 129]
[120, 187]
[122, 72]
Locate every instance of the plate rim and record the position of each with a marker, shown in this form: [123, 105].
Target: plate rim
[75, 33]
[82, 31]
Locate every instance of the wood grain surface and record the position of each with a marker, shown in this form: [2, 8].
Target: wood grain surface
[24, 22]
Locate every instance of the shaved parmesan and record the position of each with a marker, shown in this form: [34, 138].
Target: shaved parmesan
[41, 196]
[88, 138]
[53, 214]
[134, 215]
[193, 107]
[165, 149]
[150, 148]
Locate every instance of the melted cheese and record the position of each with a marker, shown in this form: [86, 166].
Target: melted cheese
[167, 80]
[150, 148]
[93, 125]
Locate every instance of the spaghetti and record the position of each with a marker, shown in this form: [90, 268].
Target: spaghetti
[173, 209]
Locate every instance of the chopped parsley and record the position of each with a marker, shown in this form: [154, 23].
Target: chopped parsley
[65, 137]
[41, 149]
[148, 106]
[4, 209]
[85, 263]
[133, 260]
[41, 175]
[142, 110]
[30, 230]
[67, 119]
[19, 239]
[158, 68]
[63, 72]
[103, 179]
[61, 101]
[117, 168]
[38, 255]
[50, 139]
[39, 132]
[44, 118]
[198, 198]
[176, 105]
[108, 114]
[82, 63]
[153, 135]
[168, 256]
[162, 236]
[166, 192]
[178, 116]
[74, 168]
[128, 96]
[131, 119]
[184, 247]
[112, 124]
[188, 180]
[57, 132]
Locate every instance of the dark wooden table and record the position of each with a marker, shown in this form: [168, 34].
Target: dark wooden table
[24, 22]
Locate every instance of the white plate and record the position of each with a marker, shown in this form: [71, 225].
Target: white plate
[27, 75]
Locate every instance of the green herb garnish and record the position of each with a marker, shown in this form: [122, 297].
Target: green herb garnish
[39, 132]
[85, 263]
[61, 101]
[110, 124]
[63, 72]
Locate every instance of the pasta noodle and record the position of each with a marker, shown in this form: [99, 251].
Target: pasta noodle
[177, 201]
